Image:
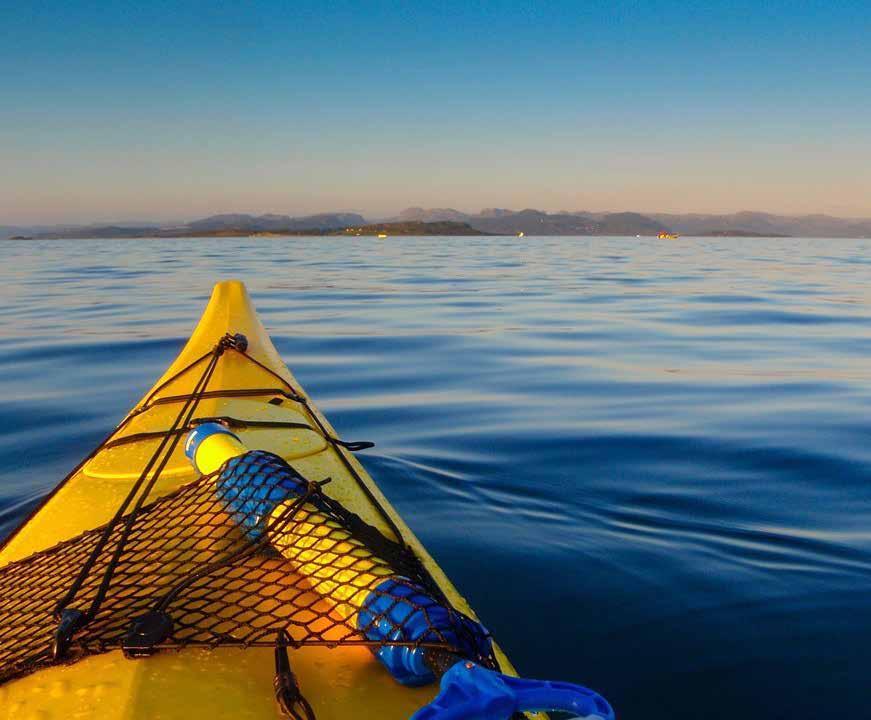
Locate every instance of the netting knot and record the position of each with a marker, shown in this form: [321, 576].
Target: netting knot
[234, 342]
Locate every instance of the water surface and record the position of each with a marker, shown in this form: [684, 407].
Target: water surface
[646, 463]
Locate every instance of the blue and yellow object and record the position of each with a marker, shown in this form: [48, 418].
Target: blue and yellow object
[392, 611]
[367, 593]
[209, 445]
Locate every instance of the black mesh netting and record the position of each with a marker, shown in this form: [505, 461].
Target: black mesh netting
[222, 577]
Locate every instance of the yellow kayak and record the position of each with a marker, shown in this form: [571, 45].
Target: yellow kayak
[344, 681]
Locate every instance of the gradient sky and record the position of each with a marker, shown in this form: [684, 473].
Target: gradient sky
[164, 110]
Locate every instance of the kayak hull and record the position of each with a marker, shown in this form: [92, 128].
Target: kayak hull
[343, 682]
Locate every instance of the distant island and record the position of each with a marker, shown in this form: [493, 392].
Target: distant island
[448, 221]
[414, 227]
[443, 227]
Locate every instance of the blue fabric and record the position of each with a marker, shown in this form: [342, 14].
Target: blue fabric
[471, 692]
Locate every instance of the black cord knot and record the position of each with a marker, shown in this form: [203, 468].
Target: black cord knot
[233, 342]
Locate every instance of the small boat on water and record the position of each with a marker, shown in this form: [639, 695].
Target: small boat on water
[668, 236]
[222, 534]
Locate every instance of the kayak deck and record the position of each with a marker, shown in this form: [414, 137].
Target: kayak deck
[343, 682]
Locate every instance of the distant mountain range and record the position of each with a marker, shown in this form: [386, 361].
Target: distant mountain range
[265, 223]
[767, 224]
[226, 224]
[490, 221]
[499, 221]
[536, 222]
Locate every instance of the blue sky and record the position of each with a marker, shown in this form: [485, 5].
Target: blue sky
[164, 110]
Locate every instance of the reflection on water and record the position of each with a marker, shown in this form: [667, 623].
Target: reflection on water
[645, 463]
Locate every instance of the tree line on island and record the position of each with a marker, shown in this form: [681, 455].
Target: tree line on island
[447, 221]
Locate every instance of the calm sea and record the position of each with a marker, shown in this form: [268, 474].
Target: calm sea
[646, 463]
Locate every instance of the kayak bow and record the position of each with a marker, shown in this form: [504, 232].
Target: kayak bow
[225, 682]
